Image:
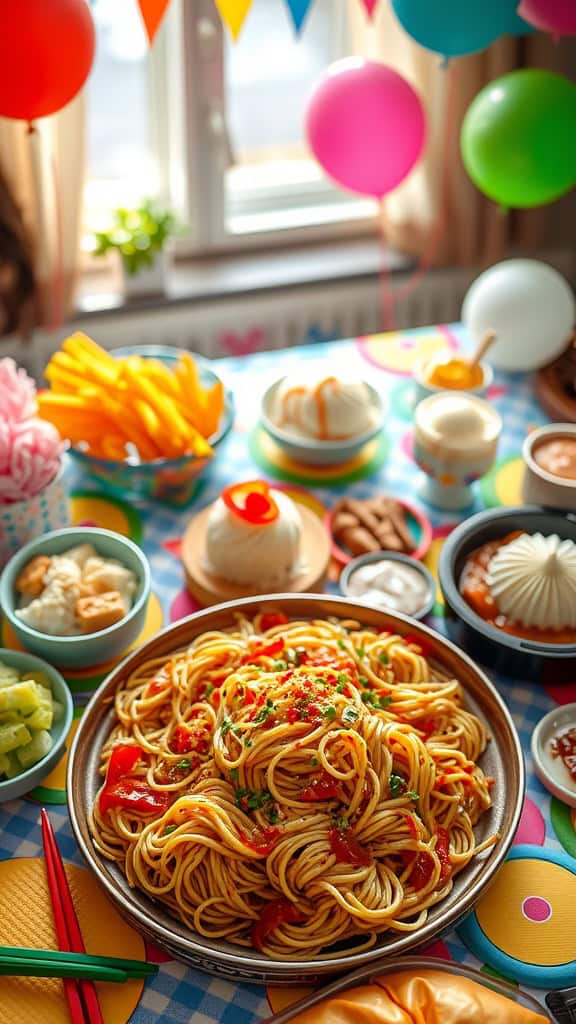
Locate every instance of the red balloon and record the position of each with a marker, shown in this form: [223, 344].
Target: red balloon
[46, 52]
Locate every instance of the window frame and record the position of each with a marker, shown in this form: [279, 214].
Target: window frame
[189, 141]
[200, 138]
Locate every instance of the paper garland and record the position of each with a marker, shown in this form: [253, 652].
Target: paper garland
[298, 11]
[233, 13]
[152, 12]
[370, 6]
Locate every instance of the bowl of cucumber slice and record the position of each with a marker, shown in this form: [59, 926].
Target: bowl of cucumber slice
[36, 712]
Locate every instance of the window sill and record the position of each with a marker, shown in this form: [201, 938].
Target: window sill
[232, 275]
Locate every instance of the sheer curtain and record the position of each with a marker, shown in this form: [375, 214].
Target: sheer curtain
[438, 214]
[44, 172]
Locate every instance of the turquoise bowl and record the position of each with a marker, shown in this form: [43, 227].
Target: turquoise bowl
[11, 789]
[170, 481]
[91, 649]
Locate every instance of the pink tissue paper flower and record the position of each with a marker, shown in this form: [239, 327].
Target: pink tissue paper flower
[17, 392]
[30, 448]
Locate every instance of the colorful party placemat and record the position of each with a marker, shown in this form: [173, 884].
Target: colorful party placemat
[26, 920]
[272, 459]
[524, 925]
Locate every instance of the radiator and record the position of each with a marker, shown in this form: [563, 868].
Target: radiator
[268, 320]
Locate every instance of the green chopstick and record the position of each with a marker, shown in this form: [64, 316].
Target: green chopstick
[29, 967]
[119, 965]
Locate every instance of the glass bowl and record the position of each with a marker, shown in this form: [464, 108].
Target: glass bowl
[167, 480]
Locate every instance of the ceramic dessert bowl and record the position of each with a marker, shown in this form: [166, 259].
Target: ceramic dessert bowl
[88, 649]
[540, 485]
[502, 759]
[24, 664]
[166, 480]
[512, 655]
[421, 598]
[549, 768]
[308, 450]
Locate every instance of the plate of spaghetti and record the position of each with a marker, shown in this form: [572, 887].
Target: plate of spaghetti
[279, 788]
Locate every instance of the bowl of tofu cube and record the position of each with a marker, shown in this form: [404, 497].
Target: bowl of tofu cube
[36, 713]
[76, 597]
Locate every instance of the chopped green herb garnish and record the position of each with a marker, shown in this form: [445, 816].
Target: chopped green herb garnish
[169, 829]
[372, 698]
[225, 727]
[313, 760]
[251, 799]
[273, 816]
[280, 666]
[321, 680]
[412, 794]
[263, 714]
[209, 689]
[341, 687]
[340, 822]
[361, 652]
[396, 785]
[383, 658]
[330, 711]
[363, 680]
[247, 743]
[341, 645]
[350, 714]
[234, 774]
[184, 763]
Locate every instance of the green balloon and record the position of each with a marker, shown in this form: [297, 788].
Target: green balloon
[518, 138]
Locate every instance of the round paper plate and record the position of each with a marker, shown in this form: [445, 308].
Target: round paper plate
[523, 926]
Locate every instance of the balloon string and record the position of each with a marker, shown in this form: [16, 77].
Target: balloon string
[57, 304]
[386, 290]
[439, 225]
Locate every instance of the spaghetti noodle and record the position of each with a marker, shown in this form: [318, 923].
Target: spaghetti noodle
[289, 785]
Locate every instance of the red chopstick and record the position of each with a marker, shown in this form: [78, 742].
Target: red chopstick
[68, 930]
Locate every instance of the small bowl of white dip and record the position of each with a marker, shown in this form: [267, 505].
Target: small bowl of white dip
[391, 581]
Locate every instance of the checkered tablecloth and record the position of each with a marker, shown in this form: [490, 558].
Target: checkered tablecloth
[179, 993]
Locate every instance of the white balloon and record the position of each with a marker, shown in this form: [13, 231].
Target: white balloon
[531, 308]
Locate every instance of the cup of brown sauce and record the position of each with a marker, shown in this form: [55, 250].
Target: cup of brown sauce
[550, 466]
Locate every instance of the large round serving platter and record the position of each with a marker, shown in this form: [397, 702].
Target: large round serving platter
[502, 760]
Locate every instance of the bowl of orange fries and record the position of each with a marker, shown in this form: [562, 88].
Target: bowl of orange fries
[145, 420]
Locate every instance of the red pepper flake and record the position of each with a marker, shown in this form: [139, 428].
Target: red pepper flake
[292, 716]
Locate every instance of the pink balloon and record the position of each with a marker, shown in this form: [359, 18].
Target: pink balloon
[365, 126]
[555, 16]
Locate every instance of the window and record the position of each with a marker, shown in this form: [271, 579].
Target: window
[215, 128]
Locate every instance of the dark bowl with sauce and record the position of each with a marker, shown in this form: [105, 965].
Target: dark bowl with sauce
[511, 655]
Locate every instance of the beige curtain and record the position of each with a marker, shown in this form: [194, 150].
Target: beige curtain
[44, 170]
[438, 214]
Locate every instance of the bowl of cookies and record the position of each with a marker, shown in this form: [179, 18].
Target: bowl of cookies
[382, 523]
[76, 597]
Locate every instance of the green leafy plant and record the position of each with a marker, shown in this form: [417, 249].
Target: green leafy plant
[138, 235]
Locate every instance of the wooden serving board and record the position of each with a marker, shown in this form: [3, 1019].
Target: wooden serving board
[209, 589]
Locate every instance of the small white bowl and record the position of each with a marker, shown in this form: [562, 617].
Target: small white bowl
[551, 770]
[320, 453]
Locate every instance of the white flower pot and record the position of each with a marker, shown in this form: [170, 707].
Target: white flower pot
[150, 281]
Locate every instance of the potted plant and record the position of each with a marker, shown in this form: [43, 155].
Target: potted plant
[139, 236]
